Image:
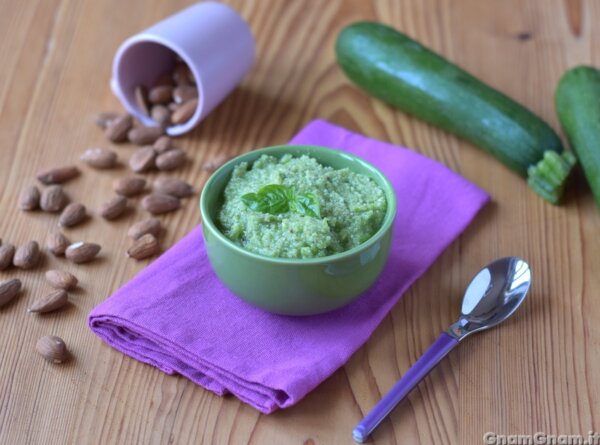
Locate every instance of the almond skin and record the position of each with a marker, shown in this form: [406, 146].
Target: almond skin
[144, 135]
[174, 187]
[129, 186]
[183, 93]
[117, 129]
[159, 203]
[163, 144]
[7, 253]
[161, 115]
[51, 302]
[73, 214]
[9, 290]
[141, 228]
[182, 74]
[53, 199]
[171, 160]
[164, 79]
[184, 112]
[57, 243]
[144, 247]
[141, 99]
[100, 158]
[114, 208]
[58, 175]
[81, 252]
[27, 256]
[161, 94]
[60, 279]
[29, 198]
[142, 159]
[52, 348]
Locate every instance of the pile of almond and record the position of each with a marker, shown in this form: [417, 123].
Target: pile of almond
[172, 100]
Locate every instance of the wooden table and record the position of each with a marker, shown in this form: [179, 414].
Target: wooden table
[538, 372]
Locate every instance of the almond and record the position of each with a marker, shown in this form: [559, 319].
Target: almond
[161, 115]
[129, 186]
[141, 228]
[101, 158]
[164, 79]
[53, 199]
[171, 159]
[117, 130]
[114, 208]
[7, 253]
[61, 279]
[104, 119]
[81, 252]
[141, 99]
[182, 74]
[161, 94]
[72, 215]
[52, 348]
[58, 175]
[191, 77]
[158, 203]
[27, 256]
[213, 164]
[144, 135]
[51, 302]
[184, 112]
[144, 247]
[29, 198]
[173, 186]
[9, 290]
[57, 243]
[163, 144]
[142, 159]
[183, 93]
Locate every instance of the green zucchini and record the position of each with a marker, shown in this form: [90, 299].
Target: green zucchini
[577, 101]
[400, 71]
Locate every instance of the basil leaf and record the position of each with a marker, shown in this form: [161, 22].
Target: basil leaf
[254, 202]
[307, 204]
[275, 199]
[271, 199]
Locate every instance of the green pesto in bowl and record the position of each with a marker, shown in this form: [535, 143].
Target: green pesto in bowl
[294, 207]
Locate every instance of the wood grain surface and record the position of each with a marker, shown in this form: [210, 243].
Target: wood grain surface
[538, 372]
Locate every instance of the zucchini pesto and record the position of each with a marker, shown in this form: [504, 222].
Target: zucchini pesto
[294, 207]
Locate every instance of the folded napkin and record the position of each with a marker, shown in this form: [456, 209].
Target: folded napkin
[177, 316]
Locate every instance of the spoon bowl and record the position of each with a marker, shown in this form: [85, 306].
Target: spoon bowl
[493, 295]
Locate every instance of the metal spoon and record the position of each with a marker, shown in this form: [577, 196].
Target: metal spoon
[492, 296]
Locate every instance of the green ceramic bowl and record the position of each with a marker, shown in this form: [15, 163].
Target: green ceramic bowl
[296, 286]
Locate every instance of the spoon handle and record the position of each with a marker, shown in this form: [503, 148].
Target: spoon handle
[436, 352]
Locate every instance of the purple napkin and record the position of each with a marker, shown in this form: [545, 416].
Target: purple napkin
[177, 316]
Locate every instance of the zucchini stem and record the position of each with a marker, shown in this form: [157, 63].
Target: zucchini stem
[548, 177]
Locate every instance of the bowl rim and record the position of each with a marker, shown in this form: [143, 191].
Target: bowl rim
[388, 220]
